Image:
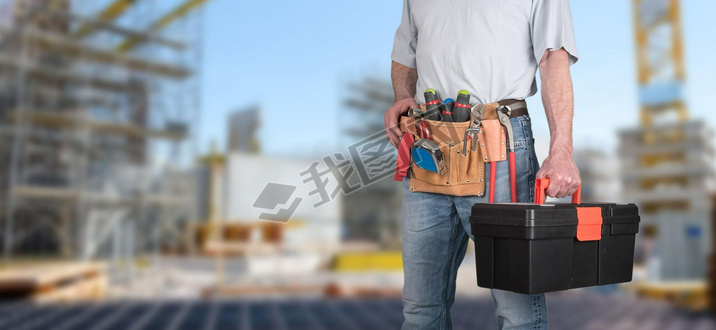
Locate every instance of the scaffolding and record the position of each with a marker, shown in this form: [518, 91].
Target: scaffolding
[99, 102]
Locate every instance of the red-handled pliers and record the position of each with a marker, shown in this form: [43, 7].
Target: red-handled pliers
[421, 127]
[503, 113]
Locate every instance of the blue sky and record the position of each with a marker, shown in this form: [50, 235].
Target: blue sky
[293, 58]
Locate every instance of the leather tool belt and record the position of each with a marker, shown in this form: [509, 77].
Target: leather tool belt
[464, 173]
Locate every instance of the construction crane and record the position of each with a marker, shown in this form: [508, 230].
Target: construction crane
[114, 10]
[665, 152]
[660, 59]
[161, 23]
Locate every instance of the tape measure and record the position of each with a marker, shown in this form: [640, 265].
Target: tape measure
[427, 155]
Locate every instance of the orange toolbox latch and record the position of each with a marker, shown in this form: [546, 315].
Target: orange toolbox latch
[589, 225]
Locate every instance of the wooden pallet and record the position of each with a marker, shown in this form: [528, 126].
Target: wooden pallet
[690, 295]
[53, 282]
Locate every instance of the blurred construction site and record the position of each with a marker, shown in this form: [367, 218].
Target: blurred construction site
[117, 213]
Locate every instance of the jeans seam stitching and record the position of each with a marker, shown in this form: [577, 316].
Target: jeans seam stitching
[537, 310]
[446, 277]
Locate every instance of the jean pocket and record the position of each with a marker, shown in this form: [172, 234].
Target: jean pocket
[525, 120]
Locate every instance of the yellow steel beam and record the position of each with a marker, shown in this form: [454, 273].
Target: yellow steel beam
[163, 22]
[642, 45]
[58, 43]
[677, 50]
[46, 74]
[110, 13]
[59, 119]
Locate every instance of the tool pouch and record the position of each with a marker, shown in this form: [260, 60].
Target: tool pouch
[492, 141]
[464, 173]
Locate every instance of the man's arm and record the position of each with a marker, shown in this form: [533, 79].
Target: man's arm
[558, 100]
[404, 81]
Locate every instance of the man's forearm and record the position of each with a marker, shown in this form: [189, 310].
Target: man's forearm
[558, 100]
[404, 81]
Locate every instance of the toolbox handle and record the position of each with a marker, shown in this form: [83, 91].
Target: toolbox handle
[541, 187]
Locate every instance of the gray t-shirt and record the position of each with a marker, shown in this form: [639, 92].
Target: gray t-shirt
[491, 48]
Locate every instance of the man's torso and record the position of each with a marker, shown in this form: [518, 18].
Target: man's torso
[483, 46]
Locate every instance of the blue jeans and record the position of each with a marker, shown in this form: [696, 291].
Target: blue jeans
[436, 230]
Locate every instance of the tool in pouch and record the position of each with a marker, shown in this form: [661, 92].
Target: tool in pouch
[433, 106]
[471, 134]
[489, 124]
[425, 153]
[448, 109]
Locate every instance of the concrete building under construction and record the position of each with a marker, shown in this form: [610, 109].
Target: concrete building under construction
[97, 99]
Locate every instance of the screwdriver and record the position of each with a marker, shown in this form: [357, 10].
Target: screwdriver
[462, 106]
[448, 110]
[432, 105]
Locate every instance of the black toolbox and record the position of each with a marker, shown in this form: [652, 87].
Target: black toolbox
[538, 248]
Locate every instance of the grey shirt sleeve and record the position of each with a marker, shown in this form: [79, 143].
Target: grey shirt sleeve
[406, 39]
[552, 28]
